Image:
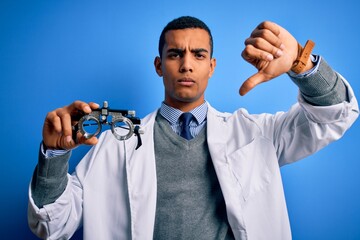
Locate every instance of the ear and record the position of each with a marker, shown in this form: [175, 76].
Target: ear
[157, 64]
[212, 66]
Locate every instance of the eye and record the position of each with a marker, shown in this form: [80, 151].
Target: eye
[173, 55]
[199, 55]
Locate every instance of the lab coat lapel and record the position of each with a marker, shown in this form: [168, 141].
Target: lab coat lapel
[218, 132]
[142, 186]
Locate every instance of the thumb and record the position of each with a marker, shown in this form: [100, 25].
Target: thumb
[251, 82]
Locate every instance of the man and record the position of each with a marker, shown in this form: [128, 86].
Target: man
[222, 179]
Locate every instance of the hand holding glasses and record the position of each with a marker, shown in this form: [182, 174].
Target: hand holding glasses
[123, 123]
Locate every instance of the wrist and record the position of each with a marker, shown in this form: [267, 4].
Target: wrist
[303, 61]
[51, 152]
[309, 65]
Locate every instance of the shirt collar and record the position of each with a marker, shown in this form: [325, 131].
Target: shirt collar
[172, 114]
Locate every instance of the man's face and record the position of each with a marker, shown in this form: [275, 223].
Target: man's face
[186, 67]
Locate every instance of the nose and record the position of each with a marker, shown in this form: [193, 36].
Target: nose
[186, 64]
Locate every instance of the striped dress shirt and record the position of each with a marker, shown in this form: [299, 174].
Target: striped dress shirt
[196, 125]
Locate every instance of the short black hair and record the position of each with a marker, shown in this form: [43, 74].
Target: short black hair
[184, 23]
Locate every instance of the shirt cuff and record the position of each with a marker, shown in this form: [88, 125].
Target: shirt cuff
[316, 60]
[49, 153]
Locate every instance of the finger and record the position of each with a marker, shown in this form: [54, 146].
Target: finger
[65, 119]
[250, 53]
[271, 26]
[251, 82]
[269, 37]
[82, 140]
[79, 105]
[91, 141]
[53, 121]
[266, 41]
[94, 105]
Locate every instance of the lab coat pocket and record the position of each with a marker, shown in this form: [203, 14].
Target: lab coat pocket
[250, 166]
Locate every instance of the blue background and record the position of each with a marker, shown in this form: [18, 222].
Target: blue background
[54, 52]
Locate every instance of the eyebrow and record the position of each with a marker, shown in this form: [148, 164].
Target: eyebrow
[199, 50]
[180, 50]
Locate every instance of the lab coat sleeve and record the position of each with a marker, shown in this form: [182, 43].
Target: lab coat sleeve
[305, 128]
[58, 220]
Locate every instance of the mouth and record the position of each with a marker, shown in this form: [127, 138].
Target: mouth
[186, 81]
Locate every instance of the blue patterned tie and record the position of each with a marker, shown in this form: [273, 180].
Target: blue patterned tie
[185, 131]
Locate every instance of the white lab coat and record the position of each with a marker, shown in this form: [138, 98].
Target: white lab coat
[113, 190]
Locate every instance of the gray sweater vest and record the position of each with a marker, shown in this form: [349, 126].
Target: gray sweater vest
[190, 204]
